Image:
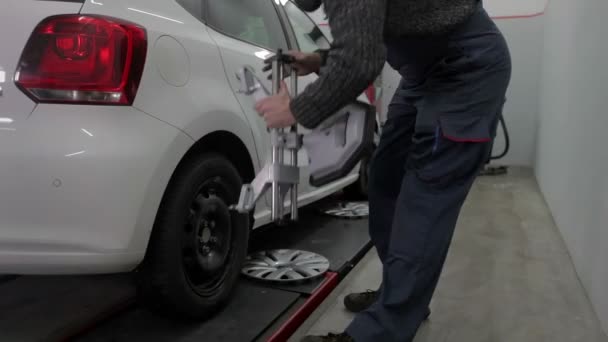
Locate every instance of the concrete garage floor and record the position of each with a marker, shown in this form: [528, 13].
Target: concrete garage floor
[508, 277]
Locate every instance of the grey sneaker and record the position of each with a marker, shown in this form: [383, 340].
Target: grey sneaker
[357, 302]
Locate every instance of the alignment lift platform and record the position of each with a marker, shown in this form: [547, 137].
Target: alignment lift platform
[104, 309]
[332, 236]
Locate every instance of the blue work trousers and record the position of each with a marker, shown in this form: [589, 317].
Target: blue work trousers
[439, 132]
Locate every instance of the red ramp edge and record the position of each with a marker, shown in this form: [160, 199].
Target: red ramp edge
[301, 315]
[96, 321]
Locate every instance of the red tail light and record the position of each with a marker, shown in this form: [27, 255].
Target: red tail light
[83, 59]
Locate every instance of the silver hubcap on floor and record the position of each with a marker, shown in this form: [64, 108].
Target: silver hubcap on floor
[285, 265]
[350, 210]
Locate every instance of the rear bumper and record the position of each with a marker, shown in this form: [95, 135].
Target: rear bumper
[56, 263]
[80, 187]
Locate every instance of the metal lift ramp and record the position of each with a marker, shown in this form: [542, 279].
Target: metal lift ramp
[259, 311]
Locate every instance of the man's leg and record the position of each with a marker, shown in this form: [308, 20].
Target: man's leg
[438, 177]
[395, 140]
[392, 150]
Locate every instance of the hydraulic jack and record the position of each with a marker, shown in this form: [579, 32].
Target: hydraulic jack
[334, 148]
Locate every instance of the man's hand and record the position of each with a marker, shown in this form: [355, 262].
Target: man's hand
[304, 63]
[275, 109]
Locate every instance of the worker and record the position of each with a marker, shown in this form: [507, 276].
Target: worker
[455, 68]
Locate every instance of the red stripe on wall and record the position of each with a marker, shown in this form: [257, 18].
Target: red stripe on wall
[525, 16]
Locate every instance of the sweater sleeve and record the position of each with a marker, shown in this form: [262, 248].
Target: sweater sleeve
[323, 53]
[355, 59]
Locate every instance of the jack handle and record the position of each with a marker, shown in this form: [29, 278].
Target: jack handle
[277, 174]
[282, 59]
[294, 152]
[277, 202]
[278, 152]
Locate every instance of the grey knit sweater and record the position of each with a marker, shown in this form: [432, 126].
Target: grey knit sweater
[358, 53]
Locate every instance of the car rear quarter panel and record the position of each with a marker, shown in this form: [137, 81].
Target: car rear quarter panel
[82, 185]
[195, 98]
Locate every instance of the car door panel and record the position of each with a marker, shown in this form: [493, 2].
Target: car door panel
[309, 37]
[246, 32]
[247, 38]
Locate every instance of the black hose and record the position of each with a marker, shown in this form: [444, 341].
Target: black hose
[507, 139]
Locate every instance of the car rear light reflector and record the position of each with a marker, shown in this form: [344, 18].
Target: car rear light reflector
[83, 59]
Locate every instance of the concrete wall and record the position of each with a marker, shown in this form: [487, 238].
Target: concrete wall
[572, 154]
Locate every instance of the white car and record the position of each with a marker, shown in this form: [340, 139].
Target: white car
[124, 139]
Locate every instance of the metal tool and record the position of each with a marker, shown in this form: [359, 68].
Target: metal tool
[334, 148]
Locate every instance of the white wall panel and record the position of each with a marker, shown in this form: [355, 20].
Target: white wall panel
[572, 157]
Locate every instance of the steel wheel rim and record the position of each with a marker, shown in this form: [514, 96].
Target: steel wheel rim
[207, 238]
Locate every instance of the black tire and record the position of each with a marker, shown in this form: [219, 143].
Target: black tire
[198, 245]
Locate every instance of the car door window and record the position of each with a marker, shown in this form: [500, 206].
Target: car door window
[194, 7]
[308, 35]
[253, 21]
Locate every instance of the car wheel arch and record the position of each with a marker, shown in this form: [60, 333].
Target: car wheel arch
[230, 146]
[222, 142]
